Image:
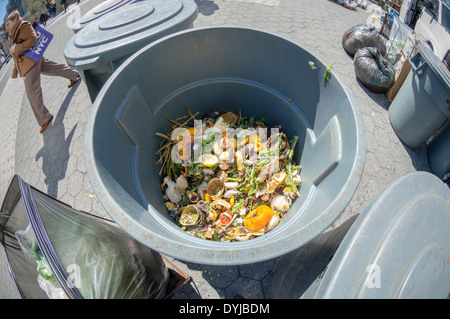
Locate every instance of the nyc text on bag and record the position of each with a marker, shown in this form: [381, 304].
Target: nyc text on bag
[44, 38]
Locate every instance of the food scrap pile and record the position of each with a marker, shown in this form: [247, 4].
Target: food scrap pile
[225, 178]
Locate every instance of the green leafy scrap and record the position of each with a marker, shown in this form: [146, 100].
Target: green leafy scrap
[327, 74]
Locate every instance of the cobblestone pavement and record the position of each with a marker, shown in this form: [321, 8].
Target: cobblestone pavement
[54, 161]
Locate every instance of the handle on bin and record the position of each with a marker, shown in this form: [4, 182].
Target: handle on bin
[329, 145]
[417, 69]
[132, 115]
[84, 64]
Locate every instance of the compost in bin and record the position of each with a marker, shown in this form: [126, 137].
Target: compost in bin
[225, 178]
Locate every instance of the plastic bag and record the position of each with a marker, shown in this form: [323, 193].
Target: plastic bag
[51, 288]
[42, 266]
[373, 70]
[363, 36]
[88, 256]
[26, 240]
[31, 250]
[101, 260]
[401, 45]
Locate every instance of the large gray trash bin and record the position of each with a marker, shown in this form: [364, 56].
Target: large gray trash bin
[422, 104]
[98, 11]
[99, 48]
[223, 68]
[398, 247]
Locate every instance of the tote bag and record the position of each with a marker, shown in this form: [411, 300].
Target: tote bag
[44, 38]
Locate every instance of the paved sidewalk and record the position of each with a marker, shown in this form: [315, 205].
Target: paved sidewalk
[54, 161]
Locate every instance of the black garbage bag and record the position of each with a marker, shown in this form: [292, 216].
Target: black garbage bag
[373, 70]
[363, 36]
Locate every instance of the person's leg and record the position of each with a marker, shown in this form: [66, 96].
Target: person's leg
[34, 93]
[56, 69]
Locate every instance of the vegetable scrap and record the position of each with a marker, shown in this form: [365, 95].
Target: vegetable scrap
[225, 178]
[327, 74]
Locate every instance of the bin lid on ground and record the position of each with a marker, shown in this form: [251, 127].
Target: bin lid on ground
[399, 247]
[98, 11]
[127, 29]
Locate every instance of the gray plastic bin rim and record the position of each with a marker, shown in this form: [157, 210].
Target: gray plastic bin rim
[222, 253]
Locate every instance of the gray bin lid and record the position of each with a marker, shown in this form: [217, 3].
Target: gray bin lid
[399, 247]
[127, 29]
[98, 11]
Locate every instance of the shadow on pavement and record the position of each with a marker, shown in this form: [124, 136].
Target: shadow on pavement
[55, 153]
[206, 7]
[230, 282]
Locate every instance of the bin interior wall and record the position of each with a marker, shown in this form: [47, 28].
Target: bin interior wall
[96, 77]
[252, 72]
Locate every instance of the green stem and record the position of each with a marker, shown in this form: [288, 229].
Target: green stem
[237, 206]
[175, 122]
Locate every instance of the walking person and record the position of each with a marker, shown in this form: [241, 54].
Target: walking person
[54, 9]
[22, 37]
[43, 19]
[64, 4]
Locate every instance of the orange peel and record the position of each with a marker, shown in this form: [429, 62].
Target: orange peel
[258, 217]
